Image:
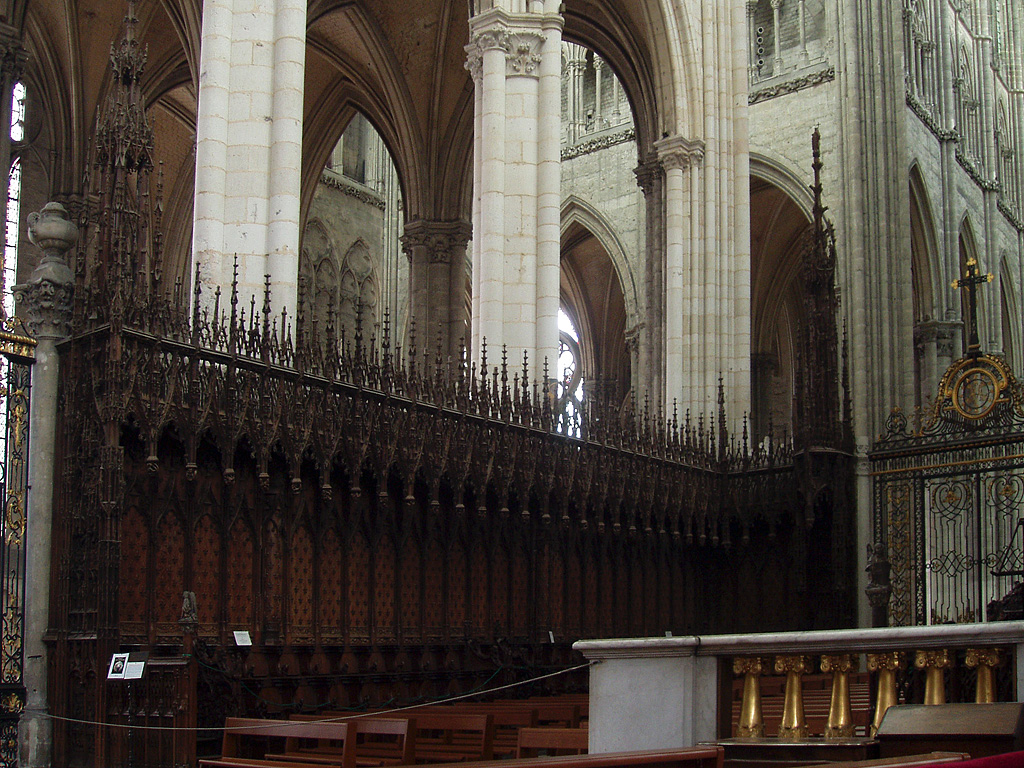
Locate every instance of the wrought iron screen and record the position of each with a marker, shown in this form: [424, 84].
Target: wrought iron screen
[949, 497]
[16, 357]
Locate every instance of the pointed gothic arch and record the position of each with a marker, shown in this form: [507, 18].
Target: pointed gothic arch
[1009, 314]
[967, 250]
[593, 273]
[779, 223]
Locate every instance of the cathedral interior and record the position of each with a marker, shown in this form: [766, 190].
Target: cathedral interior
[419, 340]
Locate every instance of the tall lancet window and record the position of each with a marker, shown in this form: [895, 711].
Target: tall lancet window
[10, 260]
[570, 377]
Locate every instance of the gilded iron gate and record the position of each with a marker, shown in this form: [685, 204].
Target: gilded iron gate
[948, 497]
[17, 351]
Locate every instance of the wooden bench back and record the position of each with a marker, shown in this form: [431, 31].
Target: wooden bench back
[472, 733]
[551, 741]
[402, 728]
[291, 731]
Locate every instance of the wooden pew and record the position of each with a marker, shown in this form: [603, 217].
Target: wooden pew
[442, 735]
[253, 733]
[684, 757]
[376, 741]
[534, 742]
[446, 737]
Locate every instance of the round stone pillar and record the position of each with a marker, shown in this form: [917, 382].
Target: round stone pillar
[45, 302]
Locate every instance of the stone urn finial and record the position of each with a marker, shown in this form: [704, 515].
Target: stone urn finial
[46, 299]
[52, 231]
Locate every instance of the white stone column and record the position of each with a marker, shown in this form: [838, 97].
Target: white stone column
[249, 147]
[46, 303]
[549, 194]
[650, 379]
[516, 224]
[437, 276]
[684, 276]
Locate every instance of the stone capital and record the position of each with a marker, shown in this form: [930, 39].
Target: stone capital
[675, 152]
[46, 299]
[13, 55]
[524, 57]
[437, 241]
[649, 175]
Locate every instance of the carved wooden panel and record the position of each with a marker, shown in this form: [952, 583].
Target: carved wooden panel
[206, 573]
[556, 589]
[664, 591]
[478, 602]
[411, 570]
[499, 589]
[331, 599]
[456, 591]
[134, 572]
[433, 591]
[612, 592]
[358, 589]
[273, 577]
[590, 605]
[241, 552]
[169, 576]
[384, 590]
[520, 594]
[300, 588]
[573, 591]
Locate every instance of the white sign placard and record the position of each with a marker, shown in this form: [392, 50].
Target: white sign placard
[242, 637]
[118, 662]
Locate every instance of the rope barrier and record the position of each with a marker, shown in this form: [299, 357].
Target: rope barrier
[338, 719]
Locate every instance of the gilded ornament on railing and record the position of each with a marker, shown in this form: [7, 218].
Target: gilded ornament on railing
[840, 716]
[886, 665]
[794, 722]
[15, 339]
[14, 518]
[12, 703]
[10, 651]
[986, 660]
[751, 721]
[934, 662]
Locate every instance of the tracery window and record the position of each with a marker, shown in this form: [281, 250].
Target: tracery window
[13, 221]
[784, 36]
[1006, 161]
[919, 54]
[593, 99]
[570, 377]
[968, 112]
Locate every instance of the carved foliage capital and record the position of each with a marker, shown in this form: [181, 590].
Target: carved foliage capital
[676, 153]
[524, 57]
[939, 659]
[747, 666]
[888, 661]
[437, 241]
[843, 662]
[799, 664]
[983, 657]
[485, 40]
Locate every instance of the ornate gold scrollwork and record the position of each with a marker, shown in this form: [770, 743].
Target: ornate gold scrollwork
[840, 716]
[934, 662]
[794, 721]
[12, 703]
[886, 665]
[986, 660]
[973, 387]
[751, 722]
